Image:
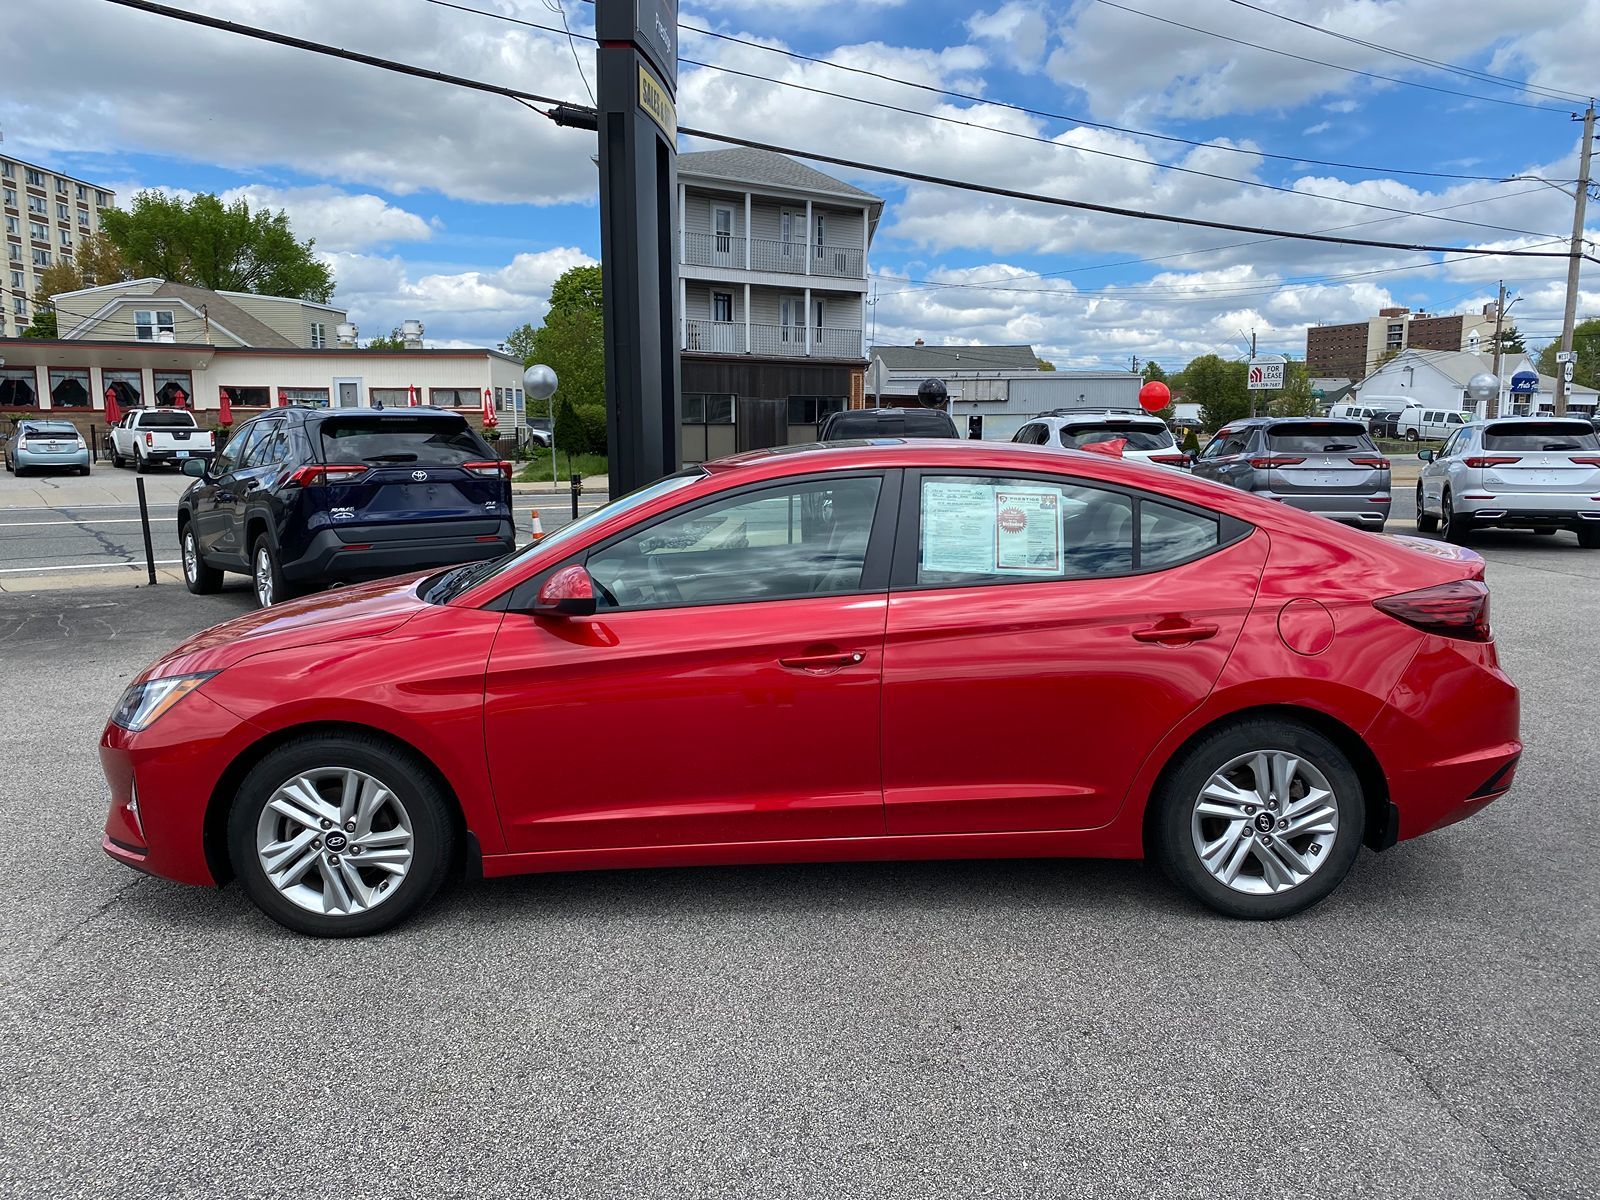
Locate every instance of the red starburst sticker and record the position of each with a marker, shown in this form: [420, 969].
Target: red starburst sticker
[1013, 520]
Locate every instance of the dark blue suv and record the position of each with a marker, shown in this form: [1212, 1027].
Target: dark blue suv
[301, 497]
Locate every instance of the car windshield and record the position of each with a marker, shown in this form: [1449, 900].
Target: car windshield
[1541, 435]
[400, 439]
[1319, 437]
[441, 588]
[167, 420]
[1139, 435]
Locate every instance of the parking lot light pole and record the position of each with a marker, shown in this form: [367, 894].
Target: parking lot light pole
[539, 382]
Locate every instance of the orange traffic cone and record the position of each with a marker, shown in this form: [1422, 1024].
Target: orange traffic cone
[538, 527]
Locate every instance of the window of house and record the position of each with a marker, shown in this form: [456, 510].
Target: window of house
[16, 279]
[83, 218]
[149, 323]
[390, 397]
[249, 397]
[35, 178]
[14, 226]
[19, 305]
[702, 409]
[18, 388]
[7, 170]
[41, 258]
[813, 410]
[306, 397]
[69, 388]
[499, 399]
[15, 253]
[319, 335]
[174, 389]
[61, 187]
[452, 397]
[63, 213]
[83, 192]
[805, 538]
[39, 232]
[722, 306]
[10, 197]
[36, 204]
[102, 199]
[65, 238]
[126, 386]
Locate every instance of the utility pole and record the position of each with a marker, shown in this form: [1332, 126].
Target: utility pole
[1493, 409]
[1252, 360]
[1574, 255]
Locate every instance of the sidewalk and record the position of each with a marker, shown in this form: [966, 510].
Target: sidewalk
[593, 485]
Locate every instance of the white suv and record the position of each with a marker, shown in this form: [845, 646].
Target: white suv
[1540, 473]
[1146, 437]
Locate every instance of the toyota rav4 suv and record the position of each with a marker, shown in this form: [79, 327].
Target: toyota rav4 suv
[302, 497]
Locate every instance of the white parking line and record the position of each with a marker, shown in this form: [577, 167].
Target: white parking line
[116, 562]
[97, 521]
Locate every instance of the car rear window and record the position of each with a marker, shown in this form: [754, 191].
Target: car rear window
[1312, 437]
[398, 439]
[47, 432]
[1140, 436]
[166, 420]
[1541, 435]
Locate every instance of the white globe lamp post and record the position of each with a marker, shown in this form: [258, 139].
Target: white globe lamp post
[1482, 388]
[539, 382]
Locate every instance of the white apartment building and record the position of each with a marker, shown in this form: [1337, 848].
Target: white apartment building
[45, 215]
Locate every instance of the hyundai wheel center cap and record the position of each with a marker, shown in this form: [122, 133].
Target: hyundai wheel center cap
[336, 841]
[1264, 822]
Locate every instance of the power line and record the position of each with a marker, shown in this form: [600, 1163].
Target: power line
[1421, 60]
[560, 10]
[1317, 62]
[572, 111]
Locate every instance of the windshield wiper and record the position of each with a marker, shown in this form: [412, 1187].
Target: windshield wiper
[390, 458]
[1562, 446]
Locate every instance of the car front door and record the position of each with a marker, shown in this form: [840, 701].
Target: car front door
[230, 493]
[726, 691]
[1043, 635]
[211, 497]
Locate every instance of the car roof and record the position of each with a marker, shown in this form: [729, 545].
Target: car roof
[423, 411]
[1100, 414]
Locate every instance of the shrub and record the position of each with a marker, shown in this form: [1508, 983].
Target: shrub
[593, 420]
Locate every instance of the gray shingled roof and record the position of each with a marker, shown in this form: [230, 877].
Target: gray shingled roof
[956, 358]
[743, 165]
[227, 314]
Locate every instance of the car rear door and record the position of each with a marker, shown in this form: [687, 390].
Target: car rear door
[1557, 457]
[1223, 459]
[1043, 635]
[727, 690]
[1322, 458]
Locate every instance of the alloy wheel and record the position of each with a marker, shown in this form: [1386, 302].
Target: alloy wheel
[191, 563]
[263, 577]
[1265, 822]
[334, 841]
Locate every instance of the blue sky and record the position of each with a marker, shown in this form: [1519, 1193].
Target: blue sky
[461, 209]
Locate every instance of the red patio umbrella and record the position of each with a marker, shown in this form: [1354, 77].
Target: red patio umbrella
[489, 419]
[113, 410]
[225, 414]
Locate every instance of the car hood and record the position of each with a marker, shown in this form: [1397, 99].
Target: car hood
[368, 610]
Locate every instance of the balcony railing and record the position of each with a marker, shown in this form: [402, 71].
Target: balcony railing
[773, 254]
[773, 341]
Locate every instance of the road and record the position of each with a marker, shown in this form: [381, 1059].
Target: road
[1006, 1029]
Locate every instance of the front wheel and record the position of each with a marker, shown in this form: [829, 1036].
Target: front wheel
[201, 579]
[1426, 522]
[340, 835]
[1260, 820]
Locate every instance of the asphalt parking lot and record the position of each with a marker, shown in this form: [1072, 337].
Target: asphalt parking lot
[1003, 1029]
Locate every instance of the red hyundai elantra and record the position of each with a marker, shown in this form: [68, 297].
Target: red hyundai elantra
[880, 650]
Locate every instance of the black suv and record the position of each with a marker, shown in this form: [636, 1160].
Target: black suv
[887, 422]
[302, 496]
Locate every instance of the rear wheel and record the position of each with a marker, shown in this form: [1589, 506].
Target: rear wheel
[340, 835]
[1589, 537]
[201, 579]
[266, 575]
[1451, 527]
[1426, 522]
[1260, 820]
[1412, 435]
[139, 463]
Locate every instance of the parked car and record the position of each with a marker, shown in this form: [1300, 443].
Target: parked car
[302, 496]
[1145, 436]
[1433, 424]
[1539, 473]
[1316, 464]
[887, 422]
[342, 755]
[150, 437]
[46, 445]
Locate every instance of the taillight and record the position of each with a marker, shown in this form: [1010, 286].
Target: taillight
[489, 470]
[1492, 460]
[1377, 464]
[1275, 460]
[338, 473]
[1588, 460]
[149, 439]
[1169, 459]
[1457, 610]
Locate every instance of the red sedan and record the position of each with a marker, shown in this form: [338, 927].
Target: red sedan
[863, 651]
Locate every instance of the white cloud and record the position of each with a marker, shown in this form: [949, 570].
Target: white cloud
[1319, 127]
[335, 219]
[1343, 106]
[1017, 28]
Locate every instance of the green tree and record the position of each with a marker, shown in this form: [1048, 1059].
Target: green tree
[1295, 398]
[1046, 365]
[1220, 389]
[1585, 341]
[1154, 374]
[226, 247]
[520, 342]
[1510, 339]
[396, 340]
[571, 342]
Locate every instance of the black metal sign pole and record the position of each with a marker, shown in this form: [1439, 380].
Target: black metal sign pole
[637, 121]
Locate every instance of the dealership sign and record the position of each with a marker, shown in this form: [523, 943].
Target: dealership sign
[1266, 374]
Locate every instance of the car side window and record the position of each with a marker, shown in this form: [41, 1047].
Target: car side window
[238, 446]
[805, 538]
[1226, 442]
[1169, 535]
[1028, 435]
[266, 448]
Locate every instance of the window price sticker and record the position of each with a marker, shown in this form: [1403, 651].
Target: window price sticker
[985, 529]
[1027, 525]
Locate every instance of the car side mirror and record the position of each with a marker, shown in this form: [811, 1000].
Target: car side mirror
[567, 593]
[1425, 455]
[195, 467]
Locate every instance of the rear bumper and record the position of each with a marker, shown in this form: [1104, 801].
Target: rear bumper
[1488, 506]
[204, 454]
[35, 460]
[330, 557]
[1365, 509]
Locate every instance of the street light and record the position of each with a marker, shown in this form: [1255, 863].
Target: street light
[539, 381]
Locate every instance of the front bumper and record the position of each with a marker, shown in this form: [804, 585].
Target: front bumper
[330, 557]
[1528, 509]
[1366, 509]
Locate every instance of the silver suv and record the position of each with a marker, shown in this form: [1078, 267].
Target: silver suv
[1539, 473]
[1145, 437]
[1312, 463]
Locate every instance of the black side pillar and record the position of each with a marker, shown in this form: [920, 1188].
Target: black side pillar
[637, 125]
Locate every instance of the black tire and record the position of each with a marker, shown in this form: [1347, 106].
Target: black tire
[200, 578]
[12, 470]
[1589, 537]
[1172, 838]
[117, 460]
[273, 579]
[1426, 522]
[1451, 528]
[83, 470]
[139, 463]
[428, 808]
[1413, 436]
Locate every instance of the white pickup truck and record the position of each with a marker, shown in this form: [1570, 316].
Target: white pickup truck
[150, 436]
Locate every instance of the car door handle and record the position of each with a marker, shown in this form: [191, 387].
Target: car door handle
[822, 662]
[1175, 633]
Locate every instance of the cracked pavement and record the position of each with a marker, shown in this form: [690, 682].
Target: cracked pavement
[1012, 1029]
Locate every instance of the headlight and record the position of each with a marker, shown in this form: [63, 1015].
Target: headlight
[142, 703]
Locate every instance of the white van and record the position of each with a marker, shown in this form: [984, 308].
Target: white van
[1430, 424]
[1380, 414]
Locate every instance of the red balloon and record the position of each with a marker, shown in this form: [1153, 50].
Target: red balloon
[1155, 395]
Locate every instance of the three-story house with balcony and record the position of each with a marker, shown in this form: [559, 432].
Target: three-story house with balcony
[773, 278]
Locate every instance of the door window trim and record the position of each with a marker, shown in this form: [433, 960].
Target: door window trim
[875, 567]
[903, 577]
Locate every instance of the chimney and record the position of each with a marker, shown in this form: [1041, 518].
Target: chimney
[919, 342]
[411, 331]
